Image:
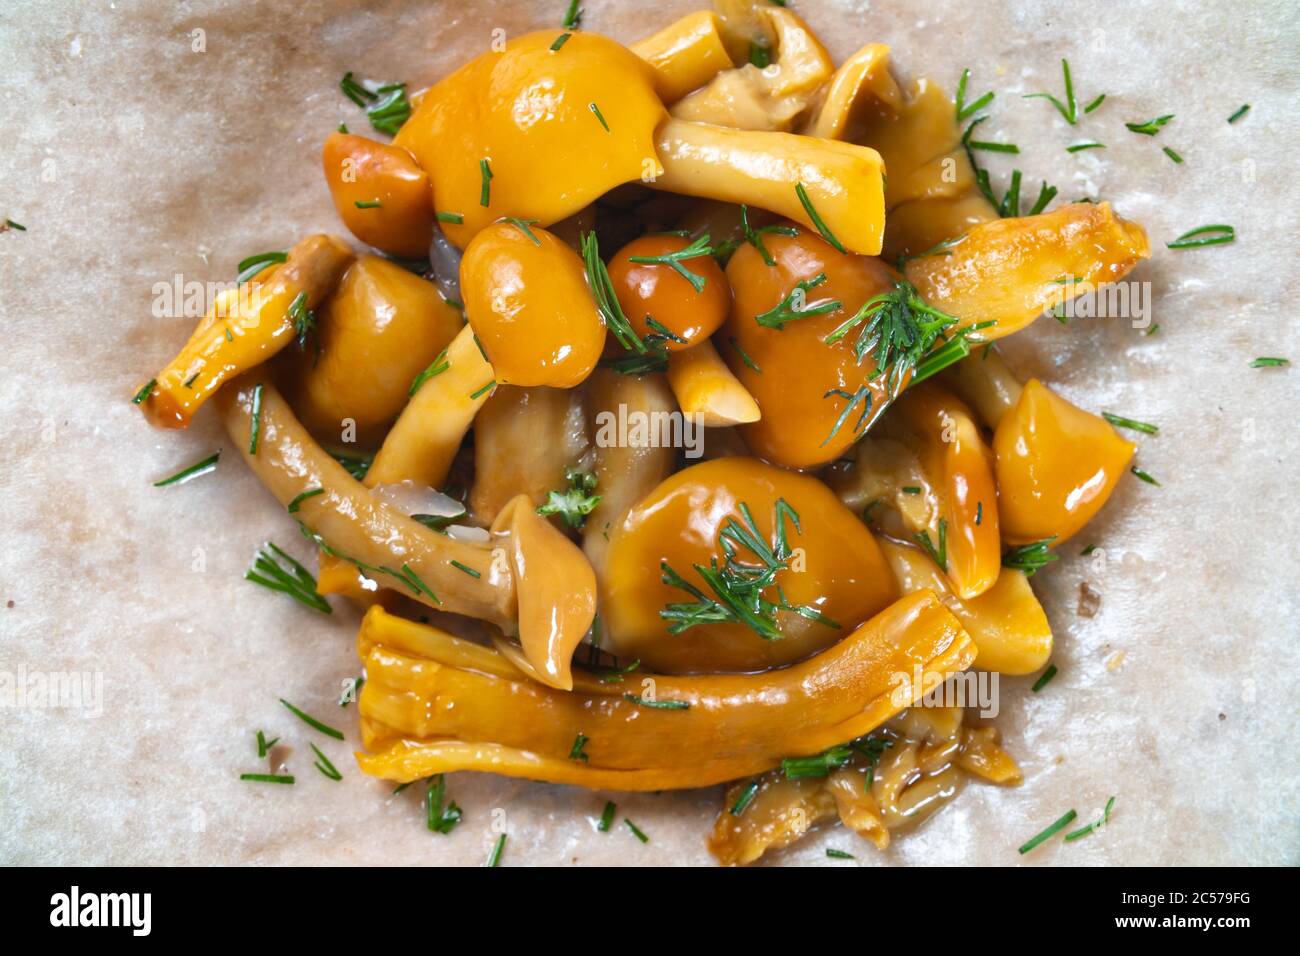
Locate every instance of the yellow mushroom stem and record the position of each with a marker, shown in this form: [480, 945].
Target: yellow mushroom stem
[426, 436]
[261, 321]
[843, 183]
[704, 386]
[1011, 271]
[352, 521]
[685, 55]
[434, 704]
[625, 472]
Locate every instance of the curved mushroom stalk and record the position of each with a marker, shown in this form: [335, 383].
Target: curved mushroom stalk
[842, 182]
[426, 436]
[556, 590]
[860, 87]
[765, 96]
[704, 386]
[651, 733]
[353, 523]
[258, 324]
[1010, 271]
[525, 439]
[685, 54]
[964, 528]
[1007, 622]
[625, 472]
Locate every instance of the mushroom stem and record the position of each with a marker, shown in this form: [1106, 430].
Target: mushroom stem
[685, 55]
[704, 386]
[843, 182]
[426, 436]
[259, 322]
[354, 523]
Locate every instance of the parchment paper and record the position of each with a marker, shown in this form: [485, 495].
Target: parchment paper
[131, 158]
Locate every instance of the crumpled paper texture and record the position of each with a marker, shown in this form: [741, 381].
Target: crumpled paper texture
[131, 158]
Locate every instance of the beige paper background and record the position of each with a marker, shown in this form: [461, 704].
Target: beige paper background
[131, 158]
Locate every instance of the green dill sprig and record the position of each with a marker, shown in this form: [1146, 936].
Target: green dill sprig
[576, 752]
[835, 854]
[254, 264]
[267, 777]
[598, 114]
[1096, 824]
[485, 183]
[368, 204]
[573, 17]
[1215, 235]
[1095, 103]
[1150, 127]
[523, 225]
[939, 554]
[698, 249]
[574, 503]
[1030, 557]
[1080, 147]
[1044, 679]
[193, 471]
[897, 328]
[312, 722]
[795, 305]
[1144, 476]
[263, 745]
[498, 848]
[745, 799]
[295, 580]
[615, 676]
[965, 110]
[602, 290]
[324, 765]
[1051, 831]
[455, 218]
[760, 54]
[10, 224]
[1168, 151]
[436, 367]
[869, 749]
[1241, 111]
[303, 318]
[755, 236]
[255, 426]
[145, 391]
[387, 105]
[1266, 361]
[816, 219]
[640, 701]
[636, 831]
[562, 39]
[744, 356]
[607, 816]
[737, 585]
[1069, 110]
[441, 816]
[1121, 422]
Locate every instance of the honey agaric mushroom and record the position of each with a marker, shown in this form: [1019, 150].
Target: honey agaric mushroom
[685, 55]
[827, 574]
[769, 97]
[379, 330]
[527, 299]
[258, 325]
[862, 84]
[585, 118]
[381, 194]
[1056, 466]
[644, 733]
